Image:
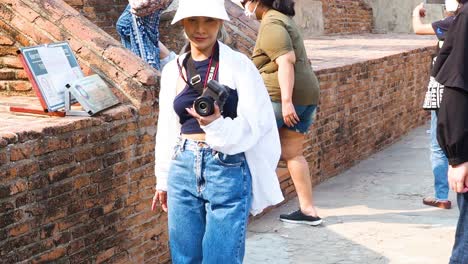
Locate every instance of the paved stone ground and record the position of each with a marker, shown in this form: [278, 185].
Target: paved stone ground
[338, 51]
[372, 214]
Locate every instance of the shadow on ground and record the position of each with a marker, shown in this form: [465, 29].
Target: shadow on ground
[373, 214]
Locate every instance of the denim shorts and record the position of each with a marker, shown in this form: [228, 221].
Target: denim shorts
[306, 114]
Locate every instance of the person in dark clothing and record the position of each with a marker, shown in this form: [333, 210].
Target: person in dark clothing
[451, 70]
[439, 161]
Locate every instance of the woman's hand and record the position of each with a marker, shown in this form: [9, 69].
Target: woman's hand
[205, 120]
[289, 114]
[161, 198]
[458, 178]
[419, 11]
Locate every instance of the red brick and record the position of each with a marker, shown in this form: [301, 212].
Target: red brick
[48, 231]
[7, 50]
[20, 86]
[29, 30]
[83, 154]
[21, 75]
[59, 189]
[60, 173]
[18, 229]
[50, 256]
[3, 157]
[22, 170]
[25, 11]
[49, 27]
[80, 182]
[5, 40]
[21, 151]
[86, 32]
[7, 75]
[19, 186]
[93, 165]
[51, 144]
[74, 2]
[11, 62]
[123, 57]
[105, 255]
[55, 159]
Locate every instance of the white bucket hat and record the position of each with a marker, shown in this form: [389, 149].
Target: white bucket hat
[451, 5]
[200, 8]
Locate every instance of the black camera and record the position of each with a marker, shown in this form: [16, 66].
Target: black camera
[215, 92]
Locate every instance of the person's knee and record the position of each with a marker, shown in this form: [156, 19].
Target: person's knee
[288, 153]
[291, 144]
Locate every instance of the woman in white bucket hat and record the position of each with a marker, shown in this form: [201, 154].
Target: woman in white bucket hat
[212, 169]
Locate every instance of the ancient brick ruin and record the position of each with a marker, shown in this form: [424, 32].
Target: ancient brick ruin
[78, 190]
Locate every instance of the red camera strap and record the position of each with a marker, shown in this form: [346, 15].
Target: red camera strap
[195, 81]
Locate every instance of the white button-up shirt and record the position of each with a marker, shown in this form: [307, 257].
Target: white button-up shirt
[253, 131]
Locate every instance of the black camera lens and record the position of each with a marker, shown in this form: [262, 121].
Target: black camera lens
[204, 106]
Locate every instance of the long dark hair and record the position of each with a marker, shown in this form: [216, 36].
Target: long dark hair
[284, 6]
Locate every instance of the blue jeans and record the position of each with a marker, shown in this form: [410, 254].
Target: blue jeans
[142, 38]
[209, 197]
[305, 113]
[460, 248]
[439, 163]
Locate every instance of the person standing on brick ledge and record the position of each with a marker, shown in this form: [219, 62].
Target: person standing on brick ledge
[451, 70]
[281, 58]
[438, 159]
[223, 163]
[138, 27]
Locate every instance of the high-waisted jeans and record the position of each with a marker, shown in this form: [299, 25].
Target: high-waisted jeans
[209, 197]
[460, 248]
[439, 163]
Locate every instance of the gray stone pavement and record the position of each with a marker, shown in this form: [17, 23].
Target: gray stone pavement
[372, 214]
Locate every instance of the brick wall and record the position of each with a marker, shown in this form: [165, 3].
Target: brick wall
[364, 107]
[13, 79]
[340, 16]
[346, 17]
[103, 13]
[78, 190]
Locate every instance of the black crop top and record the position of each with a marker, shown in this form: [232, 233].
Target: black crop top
[188, 95]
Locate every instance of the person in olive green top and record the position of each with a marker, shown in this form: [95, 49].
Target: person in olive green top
[281, 58]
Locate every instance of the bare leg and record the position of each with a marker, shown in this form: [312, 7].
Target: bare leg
[291, 151]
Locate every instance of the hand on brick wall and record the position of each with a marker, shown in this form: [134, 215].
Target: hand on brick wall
[146, 7]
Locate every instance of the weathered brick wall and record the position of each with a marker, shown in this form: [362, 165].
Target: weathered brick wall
[13, 79]
[103, 13]
[364, 108]
[346, 16]
[340, 17]
[78, 190]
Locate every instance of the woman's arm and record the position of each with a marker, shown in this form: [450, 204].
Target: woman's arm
[418, 26]
[286, 81]
[452, 134]
[452, 125]
[255, 116]
[168, 128]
